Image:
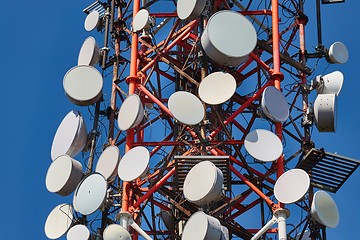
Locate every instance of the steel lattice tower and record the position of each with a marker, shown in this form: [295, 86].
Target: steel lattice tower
[168, 57]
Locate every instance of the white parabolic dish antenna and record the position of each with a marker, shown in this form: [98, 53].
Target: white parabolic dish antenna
[90, 194]
[63, 175]
[263, 145]
[224, 233]
[141, 20]
[229, 38]
[89, 52]
[108, 162]
[186, 108]
[338, 53]
[131, 112]
[291, 186]
[324, 209]
[202, 226]
[83, 85]
[332, 83]
[274, 104]
[70, 137]
[134, 164]
[203, 183]
[58, 221]
[78, 232]
[217, 88]
[325, 112]
[190, 9]
[116, 232]
[92, 21]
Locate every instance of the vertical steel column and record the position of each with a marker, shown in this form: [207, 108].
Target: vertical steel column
[301, 21]
[277, 76]
[132, 81]
[93, 135]
[113, 91]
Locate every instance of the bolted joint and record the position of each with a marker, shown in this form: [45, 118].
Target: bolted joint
[277, 76]
[282, 212]
[133, 79]
[301, 18]
[306, 146]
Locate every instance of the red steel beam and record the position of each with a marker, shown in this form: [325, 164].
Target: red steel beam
[157, 185]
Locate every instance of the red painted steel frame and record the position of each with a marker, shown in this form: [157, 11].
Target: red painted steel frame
[141, 63]
[132, 80]
[277, 76]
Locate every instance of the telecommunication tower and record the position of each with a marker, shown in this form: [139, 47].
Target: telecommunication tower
[200, 124]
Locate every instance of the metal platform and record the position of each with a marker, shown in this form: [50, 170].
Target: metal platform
[185, 163]
[328, 171]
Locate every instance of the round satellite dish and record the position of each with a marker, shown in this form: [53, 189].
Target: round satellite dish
[116, 232]
[331, 83]
[274, 104]
[186, 108]
[263, 145]
[58, 221]
[291, 186]
[63, 175]
[90, 194]
[108, 162]
[229, 38]
[217, 88]
[89, 53]
[131, 112]
[190, 9]
[134, 164]
[141, 21]
[224, 233]
[202, 226]
[325, 112]
[83, 85]
[70, 137]
[324, 209]
[338, 53]
[78, 232]
[203, 183]
[306, 235]
[92, 21]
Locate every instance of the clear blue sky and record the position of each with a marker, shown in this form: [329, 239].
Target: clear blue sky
[40, 41]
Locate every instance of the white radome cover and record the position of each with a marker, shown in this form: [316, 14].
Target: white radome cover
[186, 108]
[274, 104]
[190, 9]
[92, 21]
[263, 145]
[202, 226]
[141, 20]
[63, 175]
[58, 221]
[83, 85]
[203, 183]
[229, 38]
[89, 52]
[70, 137]
[131, 113]
[108, 162]
[217, 88]
[134, 164]
[291, 186]
[90, 194]
[78, 232]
